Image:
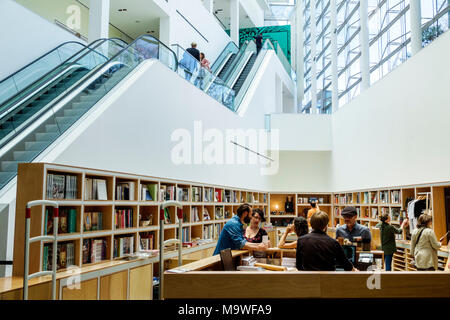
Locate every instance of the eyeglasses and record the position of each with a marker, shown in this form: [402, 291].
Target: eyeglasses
[257, 217]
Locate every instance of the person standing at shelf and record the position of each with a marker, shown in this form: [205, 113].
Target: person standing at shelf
[352, 229]
[232, 235]
[387, 234]
[300, 226]
[254, 233]
[314, 208]
[317, 251]
[258, 41]
[424, 244]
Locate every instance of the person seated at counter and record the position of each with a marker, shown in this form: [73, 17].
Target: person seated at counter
[352, 229]
[300, 226]
[254, 233]
[317, 251]
[232, 235]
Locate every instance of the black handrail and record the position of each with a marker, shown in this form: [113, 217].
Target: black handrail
[101, 41]
[35, 60]
[231, 42]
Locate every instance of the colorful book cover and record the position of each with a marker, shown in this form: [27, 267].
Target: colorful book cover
[72, 220]
[87, 221]
[62, 225]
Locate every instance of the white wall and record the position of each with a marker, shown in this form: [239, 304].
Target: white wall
[210, 37]
[25, 36]
[254, 11]
[303, 132]
[397, 132]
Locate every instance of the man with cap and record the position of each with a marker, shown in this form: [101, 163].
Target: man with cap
[351, 228]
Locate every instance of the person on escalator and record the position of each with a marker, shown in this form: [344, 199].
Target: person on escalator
[258, 40]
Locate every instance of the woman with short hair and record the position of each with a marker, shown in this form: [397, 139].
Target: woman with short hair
[424, 245]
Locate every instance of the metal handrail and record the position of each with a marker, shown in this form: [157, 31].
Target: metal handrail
[40, 57]
[101, 41]
[28, 240]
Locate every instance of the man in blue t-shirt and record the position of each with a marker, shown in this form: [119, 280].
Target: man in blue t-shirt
[232, 235]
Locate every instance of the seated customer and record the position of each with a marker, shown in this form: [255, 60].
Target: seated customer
[232, 235]
[254, 233]
[352, 229]
[316, 251]
[300, 226]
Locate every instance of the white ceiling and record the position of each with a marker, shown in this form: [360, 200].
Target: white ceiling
[144, 11]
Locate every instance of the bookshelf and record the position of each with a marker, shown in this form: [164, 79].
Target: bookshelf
[108, 213]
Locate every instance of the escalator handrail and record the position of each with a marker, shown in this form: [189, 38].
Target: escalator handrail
[40, 57]
[226, 49]
[100, 42]
[238, 56]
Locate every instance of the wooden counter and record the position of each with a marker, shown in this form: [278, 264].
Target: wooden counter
[189, 281]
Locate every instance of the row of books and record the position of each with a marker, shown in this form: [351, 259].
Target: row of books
[196, 194]
[125, 191]
[93, 221]
[212, 231]
[167, 192]
[67, 222]
[60, 186]
[183, 194]
[123, 218]
[306, 200]
[65, 256]
[146, 241]
[95, 189]
[123, 246]
[94, 250]
[185, 235]
[208, 194]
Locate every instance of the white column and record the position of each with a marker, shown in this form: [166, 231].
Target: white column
[314, 108]
[334, 57]
[98, 19]
[209, 5]
[364, 42]
[164, 30]
[298, 33]
[416, 28]
[234, 21]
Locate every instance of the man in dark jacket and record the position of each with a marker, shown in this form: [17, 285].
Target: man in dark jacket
[194, 51]
[258, 40]
[316, 251]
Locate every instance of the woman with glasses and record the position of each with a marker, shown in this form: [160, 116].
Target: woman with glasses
[254, 233]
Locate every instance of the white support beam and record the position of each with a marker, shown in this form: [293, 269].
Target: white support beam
[416, 28]
[313, 71]
[298, 34]
[334, 57]
[98, 19]
[234, 21]
[364, 44]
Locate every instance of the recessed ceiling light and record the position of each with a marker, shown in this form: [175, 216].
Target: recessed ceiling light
[122, 10]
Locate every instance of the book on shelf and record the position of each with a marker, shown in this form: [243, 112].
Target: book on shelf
[208, 194]
[219, 213]
[60, 186]
[185, 236]
[227, 214]
[67, 222]
[196, 194]
[93, 250]
[123, 246]
[227, 196]
[149, 192]
[395, 196]
[123, 218]
[218, 195]
[182, 194]
[167, 219]
[167, 192]
[194, 213]
[125, 190]
[65, 256]
[206, 215]
[93, 221]
[146, 241]
[384, 196]
[95, 189]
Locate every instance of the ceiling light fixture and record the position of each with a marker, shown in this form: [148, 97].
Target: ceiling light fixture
[122, 10]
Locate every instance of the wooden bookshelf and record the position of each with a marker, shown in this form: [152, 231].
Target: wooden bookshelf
[32, 185]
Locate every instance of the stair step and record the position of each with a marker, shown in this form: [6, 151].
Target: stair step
[9, 166]
[75, 113]
[24, 156]
[51, 128]
[36, 145]
[46, 136]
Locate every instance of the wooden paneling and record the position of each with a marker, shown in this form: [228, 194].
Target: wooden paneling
[41, 291]
[114, 286]
[439, 217]
[87, 291]
[306, 285]
[141, 283]
[240, 285]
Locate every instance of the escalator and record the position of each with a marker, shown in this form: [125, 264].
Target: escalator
[227, 66]
[36, 116]
[244, 74]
